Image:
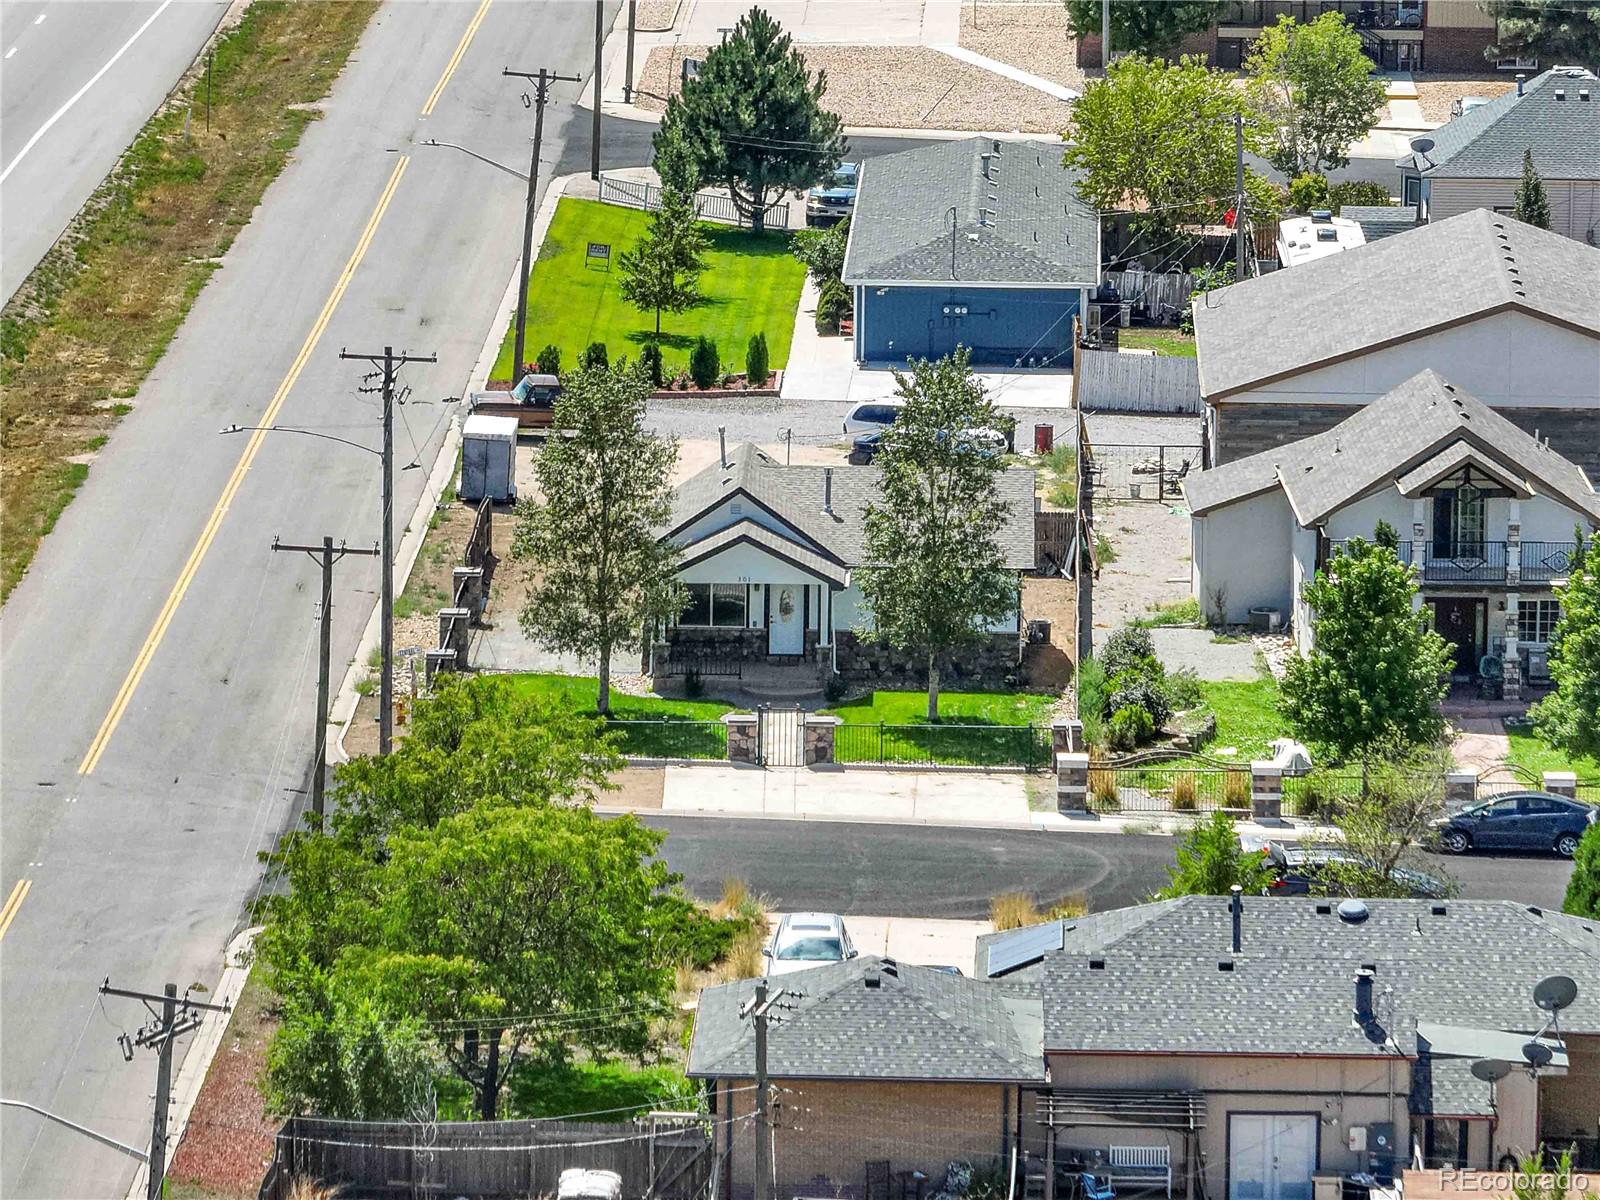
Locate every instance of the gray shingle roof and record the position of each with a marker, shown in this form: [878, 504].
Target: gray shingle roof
[1488, 142]
[1429, 277]
[1158, 988]
[917, 1024]
[1037, 230]
[794, 494]
[759, 535]
[1380, 221]
[1416, 423]
[1446, 1087]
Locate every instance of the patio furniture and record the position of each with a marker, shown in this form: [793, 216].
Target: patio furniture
[1141, 1165]
[1091, 1188]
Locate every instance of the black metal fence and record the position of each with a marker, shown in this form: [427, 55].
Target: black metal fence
[944, 745]
[689, 659]
[673, 739]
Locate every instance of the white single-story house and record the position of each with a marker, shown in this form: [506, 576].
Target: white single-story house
[1485, 514]
[768, 553]
[1510, 310]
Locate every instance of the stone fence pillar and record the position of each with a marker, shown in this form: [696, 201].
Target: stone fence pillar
[1266, 790]
[819, 738]
[744, 737]
[437, 662]
[454, 627]
[1460, 788]
[468, 586]
[1562, 783]
[1066, 737]
[1072, 783]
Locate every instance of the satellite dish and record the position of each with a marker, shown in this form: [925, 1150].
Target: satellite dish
[1555, 993]
[1491, 1070]
[1422, 144]
[1537, 1054]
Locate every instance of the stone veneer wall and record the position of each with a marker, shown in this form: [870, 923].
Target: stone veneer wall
[994, 664]
[748, 644]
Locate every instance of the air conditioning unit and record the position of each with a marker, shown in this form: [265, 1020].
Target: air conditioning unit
[1266, 620]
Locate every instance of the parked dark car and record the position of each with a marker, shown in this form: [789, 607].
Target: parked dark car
[836, 199]
[1517, 821]
[1302, 870]
[987, 442]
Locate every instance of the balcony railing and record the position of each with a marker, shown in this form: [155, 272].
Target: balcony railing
[1543, 562]
[1486, 562]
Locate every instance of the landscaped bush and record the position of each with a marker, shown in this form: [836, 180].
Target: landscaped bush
[1130, 725]
[1308, 192]
[1103, 791]
[1359, 192]
[833, 305]
[1130, 689]
[1185, 796]
[1236, 789]
[549, 361]
[595, 356]
[705, 367]
[650, 360]
[1092, 694]
[756, 370]
[1183, 689]
[1128, 647]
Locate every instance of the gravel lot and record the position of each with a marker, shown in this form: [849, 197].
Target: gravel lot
[656, 16]
[1436, 92]
[900, 87]
[1032, 36]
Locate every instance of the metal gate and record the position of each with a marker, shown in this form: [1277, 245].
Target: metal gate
[1123, 472]
[781, 736]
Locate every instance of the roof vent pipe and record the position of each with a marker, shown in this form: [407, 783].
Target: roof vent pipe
[1236, 904]
[827, 489]
[1521, 79]
[722, 446]
[871, 978]
[1364, 996]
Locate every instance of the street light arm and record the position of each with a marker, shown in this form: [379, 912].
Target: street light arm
[131, 1151]
[305, 432]
[499, 166]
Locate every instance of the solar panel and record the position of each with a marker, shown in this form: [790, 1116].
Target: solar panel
[1023, 947]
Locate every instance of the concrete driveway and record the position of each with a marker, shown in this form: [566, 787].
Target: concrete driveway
[923, 940]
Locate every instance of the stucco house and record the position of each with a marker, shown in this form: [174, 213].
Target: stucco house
[1511, 311]
[979, 243]
[1485, 514]
[1475, 160]
[1257, 1046]
[767, 555]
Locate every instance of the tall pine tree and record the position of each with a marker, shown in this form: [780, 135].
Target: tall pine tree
[1533, 206]
[661, 271]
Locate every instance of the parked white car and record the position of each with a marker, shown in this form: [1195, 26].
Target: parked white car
[807, 940]
[871, 416]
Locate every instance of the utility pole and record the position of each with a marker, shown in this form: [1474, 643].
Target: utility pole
[1239, 202]
[541, 80]
[176, 1018]
[328, 555]
[627, 83]
[599, 35]
[1105, 35]
[759, 1008]
[389, 363]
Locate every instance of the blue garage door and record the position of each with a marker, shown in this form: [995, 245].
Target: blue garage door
[1000, 325]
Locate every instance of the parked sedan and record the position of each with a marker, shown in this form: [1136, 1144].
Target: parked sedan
[1517, 821]
[807, 940]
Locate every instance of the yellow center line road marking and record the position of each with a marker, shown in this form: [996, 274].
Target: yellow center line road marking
[208, 534]
[13, 903]
[455, 59]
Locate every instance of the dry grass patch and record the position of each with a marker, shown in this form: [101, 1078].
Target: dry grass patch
[1017, 910]
[98, 313]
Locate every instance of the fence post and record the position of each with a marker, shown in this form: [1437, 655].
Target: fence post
[743, 736]
[820, 733]
[1460, 787]
[1072, 783]
[1161, 472]
[1562, 783]
[1066, 737]
[1266, 790]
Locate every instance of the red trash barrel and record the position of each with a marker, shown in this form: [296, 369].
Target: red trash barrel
[1044, 438]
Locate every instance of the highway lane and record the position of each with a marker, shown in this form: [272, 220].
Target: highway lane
[78, 78]
[160, 572]
[928, 871]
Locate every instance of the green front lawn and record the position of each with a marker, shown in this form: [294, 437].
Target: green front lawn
[1247, 715]
[1532, 753]
[751, 284]
[611, 1091]
[980, 729]
[704, 739]
[955, 708]
[1162, 341]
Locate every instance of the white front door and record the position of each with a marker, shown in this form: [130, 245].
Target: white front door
[1271, 1157]
[786, 620]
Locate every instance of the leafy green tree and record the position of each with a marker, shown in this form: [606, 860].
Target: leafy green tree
[934, 577]
[1148, 26]
[1314, 88]
[661, 271]
[1375, 674]
[822, 250]
[754, 120]
[1583, 889]
[1388, 824]
[1158, 137]
[1308, 191]
[1532, 204]
[1570, 716]
[1210, 861]
[602, 573]
[1547, 30]
[1358, 192]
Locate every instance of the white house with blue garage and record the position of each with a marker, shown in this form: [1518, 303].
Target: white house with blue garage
[979, 243]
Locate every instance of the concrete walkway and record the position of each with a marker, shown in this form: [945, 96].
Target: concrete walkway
[993, 65]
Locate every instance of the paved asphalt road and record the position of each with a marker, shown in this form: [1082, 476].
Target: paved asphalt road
[926, 871]
[78, 79]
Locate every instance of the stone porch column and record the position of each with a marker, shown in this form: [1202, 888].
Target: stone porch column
[1266, 790]
[1511, 661]
[1460, 788]
[1562, 783]
[1419, 540]
[743, 737]
[1072, 783]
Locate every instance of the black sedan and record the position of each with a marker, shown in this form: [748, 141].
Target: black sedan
[1517, 821]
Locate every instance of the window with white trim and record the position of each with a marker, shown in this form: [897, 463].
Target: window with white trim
[1536, 620]
[716, 604]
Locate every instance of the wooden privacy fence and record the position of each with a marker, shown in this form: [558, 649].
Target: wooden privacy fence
[1108, 381]
[1054, 536]
[663, 1156]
